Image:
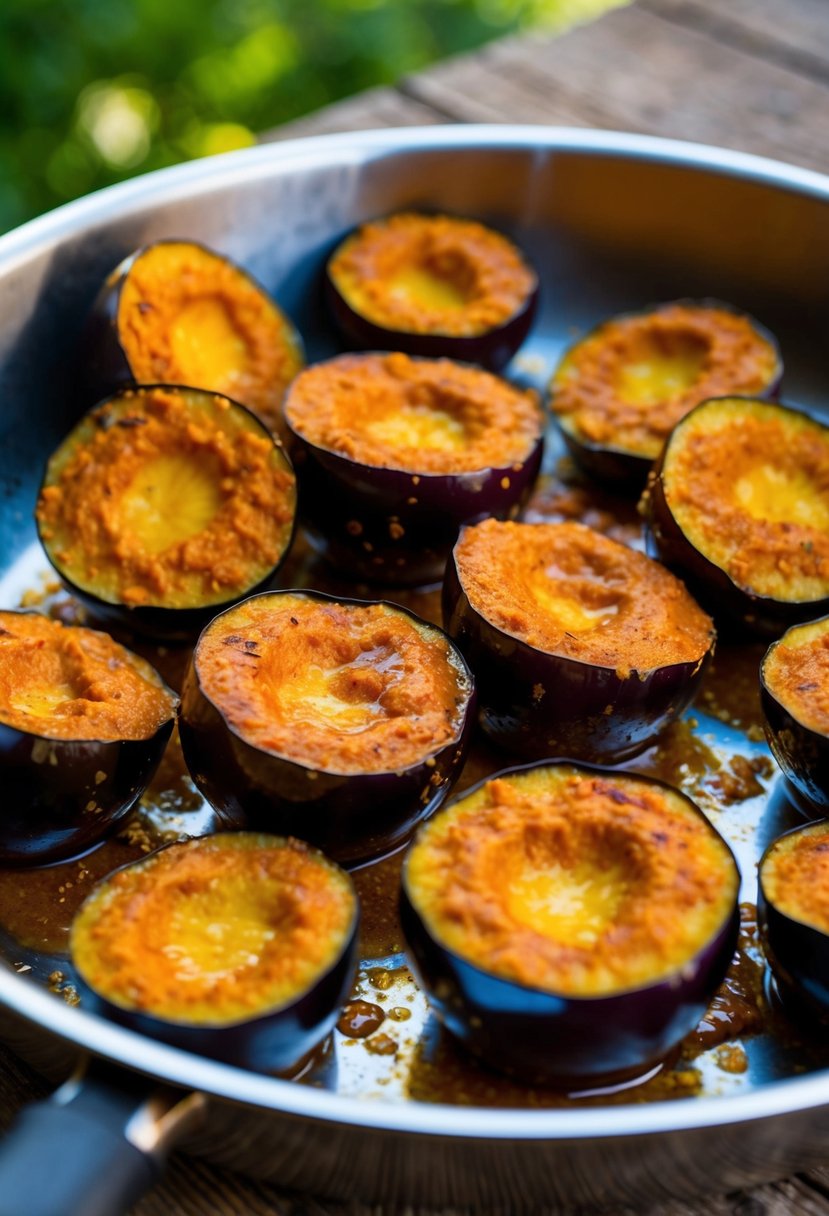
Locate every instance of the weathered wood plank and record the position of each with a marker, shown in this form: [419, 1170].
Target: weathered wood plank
[794, 35]
[633, 70]
[384, 107]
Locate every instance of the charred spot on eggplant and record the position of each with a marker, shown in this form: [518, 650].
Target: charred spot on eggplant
[178, 313]
[581, 647]
[341, 722]
[618, 392]
[396, 453]
[83, 724]
[793, 915]
[794, 691]
[433, 285]
[570, 924]
[738, 506]
[238, 946]
[165, 504]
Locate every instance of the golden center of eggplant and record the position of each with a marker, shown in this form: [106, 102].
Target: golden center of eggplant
[572, 904]
[660, 366]
[413, 426]
[205, 339]
[427, 285]
[783, 496]
[342, 688]
[169, 500]
[579, 604]
[220, 930]
[573, 882]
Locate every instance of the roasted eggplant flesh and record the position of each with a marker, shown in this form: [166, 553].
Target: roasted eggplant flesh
[395, 453]
[236, 936]
[417, 277]
[342, 722]
[167, 498]
[625, 386]
[793, 908]
[178, 313]
[794, 685]
[83, 723]
[570, 922]
[580, 646]
[740, 507]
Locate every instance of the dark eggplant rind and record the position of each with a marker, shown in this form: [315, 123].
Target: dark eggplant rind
[175, 623]
[559, 1039]
[393, 526]
[354, 817]
[274, 1041]
[801, 751]
[622, 467]
[492, 348]
[62, 796]
[732, 604]
[105, 366]
[536, 704]
[797, 952]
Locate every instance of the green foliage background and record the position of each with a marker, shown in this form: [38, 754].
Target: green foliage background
[93, 91]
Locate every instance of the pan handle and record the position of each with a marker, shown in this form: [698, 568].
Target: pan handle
[95, 1146]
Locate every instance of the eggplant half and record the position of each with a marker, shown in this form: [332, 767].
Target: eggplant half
[340, 722]
[175, 312]
[432, 285]
[738, 507]
[237, 946]
[83, 725]
[618, 392]
[570, 925]
[794, 692]
[394, 454]
[580, 646]
[164, 505]
[793, 917]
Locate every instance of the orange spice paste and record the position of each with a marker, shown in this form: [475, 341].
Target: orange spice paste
[796, 673]
[169, 498]
[748, 484]
[420, 415]
[629, 382]
[188, 316]
[432, 274]
[343, 688]
[567, 590]
[795, 875]
[64, 682]
[571, 881]
[215, 930]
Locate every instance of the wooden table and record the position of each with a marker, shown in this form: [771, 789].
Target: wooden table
[746, 74]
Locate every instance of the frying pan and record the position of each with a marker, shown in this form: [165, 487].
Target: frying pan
[612, 221]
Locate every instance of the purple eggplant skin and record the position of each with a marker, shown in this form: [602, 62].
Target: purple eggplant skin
[355, 818]
[394, 527]
[564, 1041]
[536, 704]
[103, 366]
[797, 953]
[626, 471]
[801, 752]
[271, 1043]
[155, 622]
[491, 350]
[729, 604]
[48, 784]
